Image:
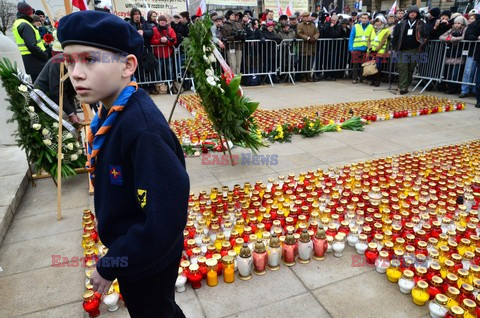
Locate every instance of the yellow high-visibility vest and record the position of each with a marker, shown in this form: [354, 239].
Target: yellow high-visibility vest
[20, 42]
[361, 35]
[375, 40]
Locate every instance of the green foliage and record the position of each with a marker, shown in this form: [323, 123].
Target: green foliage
[281, 133]
[39, 143]
[229, 111]
[310, 128]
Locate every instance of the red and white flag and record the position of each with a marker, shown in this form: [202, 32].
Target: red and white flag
[289, 10]
[280, 11]
[80, 4]
[393, 9]
[202, 8]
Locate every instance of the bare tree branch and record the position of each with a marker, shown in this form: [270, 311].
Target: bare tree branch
[8, 12]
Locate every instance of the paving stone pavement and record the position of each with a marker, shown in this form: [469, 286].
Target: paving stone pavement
[31, 287]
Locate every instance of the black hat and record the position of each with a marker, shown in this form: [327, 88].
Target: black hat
[283, 17]
[314, 15]
[435, 12]
[185, 14]
[94, 28]
[344, 21]
[249, 12]
[39, 12]
[176, 16]
[228, 14]
[447, 13]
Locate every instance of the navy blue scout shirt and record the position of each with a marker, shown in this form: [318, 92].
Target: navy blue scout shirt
[141, 193]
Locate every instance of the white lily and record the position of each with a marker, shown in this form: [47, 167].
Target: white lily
[211, 81]
[31, 109]
[73, 157]
[36, 126]
[209, 72]
[45, 131]
[68, 136]
[212, 58]
[69, 146]
[22, 88]
[47, 142]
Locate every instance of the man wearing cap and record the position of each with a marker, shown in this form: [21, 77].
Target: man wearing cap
[217, 31]
[309, 34]
[470, 63]
[29, 41]
[357, 45]
[293, 21]
[135, 162]
[409, 39]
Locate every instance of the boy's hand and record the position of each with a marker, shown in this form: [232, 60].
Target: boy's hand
[140, 31]
[100, 284]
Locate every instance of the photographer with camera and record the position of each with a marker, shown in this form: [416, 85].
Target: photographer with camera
[233, 35]
[163, 42]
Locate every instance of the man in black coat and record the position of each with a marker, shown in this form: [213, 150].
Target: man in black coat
[48, 81]
[473, 34]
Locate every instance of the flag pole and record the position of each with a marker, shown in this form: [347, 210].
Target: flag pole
[68, 7]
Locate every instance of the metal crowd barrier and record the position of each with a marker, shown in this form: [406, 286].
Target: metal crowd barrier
[440, 62]
[301, 57]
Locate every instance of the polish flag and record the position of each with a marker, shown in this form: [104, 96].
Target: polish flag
[80, 4]
[289, 10]
[280, 11]
[393, 9]
[201, 9]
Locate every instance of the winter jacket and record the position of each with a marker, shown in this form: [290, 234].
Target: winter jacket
[455, 49]
[309, 34]
[163, 50]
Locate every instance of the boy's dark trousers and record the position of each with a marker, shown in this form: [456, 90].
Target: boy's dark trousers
[152, 296]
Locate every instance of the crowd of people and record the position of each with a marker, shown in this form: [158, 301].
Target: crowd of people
[405, 33]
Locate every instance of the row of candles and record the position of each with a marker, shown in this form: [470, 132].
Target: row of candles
[413, 216]
[200, 129]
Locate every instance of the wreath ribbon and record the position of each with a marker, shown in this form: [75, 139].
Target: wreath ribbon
[37, 96]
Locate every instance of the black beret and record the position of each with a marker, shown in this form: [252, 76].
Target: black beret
[39, 12]
[101, 30]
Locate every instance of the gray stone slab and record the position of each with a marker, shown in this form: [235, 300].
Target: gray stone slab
[304, 305]
[12, 161]
[332, 269]
[18, 257]
[369, 295]
[374, 148]
[202, 177]
[42, 225]
[247, 172]
[40, 289]
[296, 162]
[73, 310]
[326, 140]
[6, 217]
[34, 203]
[227, 299]
[189, 302]
[11, 189]
[338, 154]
